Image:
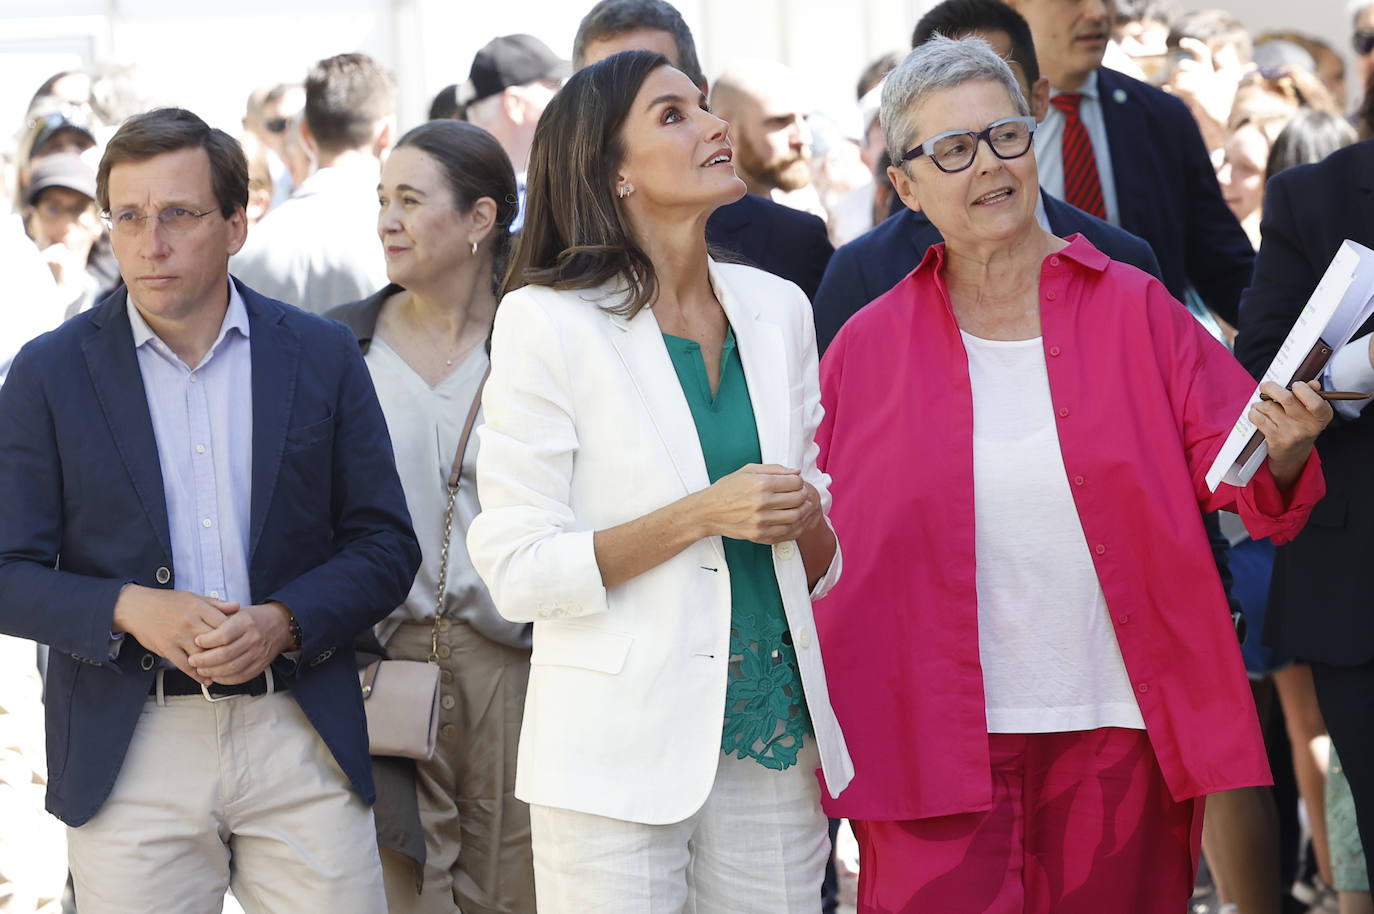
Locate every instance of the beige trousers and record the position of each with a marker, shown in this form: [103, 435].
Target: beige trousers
[240, 792]
[33, 844]
[477, 835]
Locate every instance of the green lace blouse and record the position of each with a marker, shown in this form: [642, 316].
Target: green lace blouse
[765, 709]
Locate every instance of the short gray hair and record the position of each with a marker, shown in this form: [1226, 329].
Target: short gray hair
[938, 64]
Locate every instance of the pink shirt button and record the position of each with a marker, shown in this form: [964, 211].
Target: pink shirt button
[1099, 549]
[1063, 412]
[1054, 350]
[1050, 295]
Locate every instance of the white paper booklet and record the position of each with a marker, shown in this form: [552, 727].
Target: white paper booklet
[1338, 306]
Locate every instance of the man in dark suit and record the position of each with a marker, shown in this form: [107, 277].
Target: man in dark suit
[201, 512]
[871, 264]
[784, 241]
[1148, 168]
[1319, 603]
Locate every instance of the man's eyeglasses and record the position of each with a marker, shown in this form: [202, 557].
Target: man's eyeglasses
[1362, 41]
[955, 150]
[178, 220]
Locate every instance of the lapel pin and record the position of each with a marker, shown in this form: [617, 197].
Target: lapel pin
[1119, 96]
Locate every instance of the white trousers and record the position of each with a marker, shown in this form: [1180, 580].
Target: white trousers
[758, 844]
[240, 792]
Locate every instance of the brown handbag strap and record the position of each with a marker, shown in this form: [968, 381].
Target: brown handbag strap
[456, 473]
[455, 477]
[369, 677]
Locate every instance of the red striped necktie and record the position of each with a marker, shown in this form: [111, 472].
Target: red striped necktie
[1082, 187]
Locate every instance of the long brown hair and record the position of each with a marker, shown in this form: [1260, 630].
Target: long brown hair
[575, 235]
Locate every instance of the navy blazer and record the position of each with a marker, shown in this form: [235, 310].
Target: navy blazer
[1318, 601]
[778, 239]
[329, 533]
[877, 260]
[1167, 193]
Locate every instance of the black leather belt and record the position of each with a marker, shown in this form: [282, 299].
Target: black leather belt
[175, 682]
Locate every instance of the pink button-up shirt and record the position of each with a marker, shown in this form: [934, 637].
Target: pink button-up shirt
[1143, 398]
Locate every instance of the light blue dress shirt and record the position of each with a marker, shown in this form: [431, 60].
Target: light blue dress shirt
[203, 422]
[1049, 147]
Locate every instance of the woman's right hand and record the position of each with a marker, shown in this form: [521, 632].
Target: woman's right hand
[762, 503]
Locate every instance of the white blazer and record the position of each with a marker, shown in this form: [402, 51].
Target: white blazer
[587, 427]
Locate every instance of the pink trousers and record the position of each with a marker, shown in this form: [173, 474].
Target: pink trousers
[1080, 823]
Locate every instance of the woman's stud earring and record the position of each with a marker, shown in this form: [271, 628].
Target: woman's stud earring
[625, 190]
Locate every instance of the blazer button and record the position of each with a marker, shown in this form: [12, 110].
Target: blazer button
[147, 661]
[164, 574]
[785, 550]
[804, 638]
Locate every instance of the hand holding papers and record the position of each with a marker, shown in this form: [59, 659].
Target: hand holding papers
[1338, 306]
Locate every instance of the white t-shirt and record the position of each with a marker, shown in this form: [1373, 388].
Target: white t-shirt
[1049, 654]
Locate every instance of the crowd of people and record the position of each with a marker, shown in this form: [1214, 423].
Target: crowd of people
[739, 470]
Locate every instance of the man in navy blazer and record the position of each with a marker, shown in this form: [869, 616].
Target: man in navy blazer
[1156, 178]
[201, 511]
[1319, 604]
[778, 239]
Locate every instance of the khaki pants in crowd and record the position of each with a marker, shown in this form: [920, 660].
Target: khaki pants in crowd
[477, 835]
[239, 793]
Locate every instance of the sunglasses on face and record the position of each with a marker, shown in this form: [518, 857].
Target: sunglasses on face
[1362, 41]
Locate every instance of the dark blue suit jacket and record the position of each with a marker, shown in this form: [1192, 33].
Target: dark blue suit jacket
[1318, 599]
[778, 239]
[1167, 193]
[877, 260]
[84, 513]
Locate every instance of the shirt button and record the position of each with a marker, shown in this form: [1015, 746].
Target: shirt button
[1054, 350]
[215, 594]
[447, 702]
[200, 449]
[1050, 295]
[444, 651]
[804, 638]
[1063, 412]
[1078, 480]
[445, 676]
[205, 522]
[448, 731]
[1123, 618]
[1099, 549]
[785, 550]
[1054, 261]
[193, 377]
[1142, 688]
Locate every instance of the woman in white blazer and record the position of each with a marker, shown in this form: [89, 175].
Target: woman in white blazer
[650, 500]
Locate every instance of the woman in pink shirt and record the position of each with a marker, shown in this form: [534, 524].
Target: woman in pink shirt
[1031, 651]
